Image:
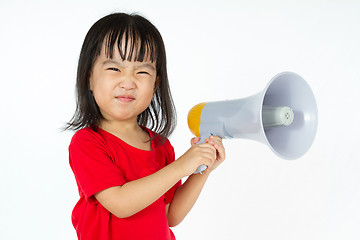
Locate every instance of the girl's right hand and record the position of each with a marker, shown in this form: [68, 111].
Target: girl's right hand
[198, 154]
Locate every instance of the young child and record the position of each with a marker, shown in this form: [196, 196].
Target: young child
[128, 180]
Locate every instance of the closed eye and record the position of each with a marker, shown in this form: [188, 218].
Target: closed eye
[144, 73]
[114, 69]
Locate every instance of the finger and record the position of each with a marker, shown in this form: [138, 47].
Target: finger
[208, 159]
[211, 152]
[216, 138]
[217, 143]
[213, 139]
[207, 150]
[194, 140]
[208, 145]
[220, 151]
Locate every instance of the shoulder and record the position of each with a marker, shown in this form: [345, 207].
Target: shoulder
[88, 144]
[86, 136]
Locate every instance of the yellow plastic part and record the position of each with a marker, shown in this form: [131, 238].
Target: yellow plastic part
[194, 118]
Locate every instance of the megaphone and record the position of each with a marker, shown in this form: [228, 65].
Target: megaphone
[283, 116]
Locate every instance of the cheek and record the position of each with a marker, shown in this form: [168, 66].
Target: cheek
[148, 94]
[101, 93]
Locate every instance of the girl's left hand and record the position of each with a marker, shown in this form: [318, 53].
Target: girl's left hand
[220, 150]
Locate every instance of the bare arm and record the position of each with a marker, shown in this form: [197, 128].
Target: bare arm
[185, 198]
[132, 197]
[187, 194]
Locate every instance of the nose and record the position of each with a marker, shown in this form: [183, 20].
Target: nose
[127, 82]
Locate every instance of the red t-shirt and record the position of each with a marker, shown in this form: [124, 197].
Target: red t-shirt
[101, 160]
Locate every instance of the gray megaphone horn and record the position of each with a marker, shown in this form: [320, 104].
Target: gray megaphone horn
[283, 116]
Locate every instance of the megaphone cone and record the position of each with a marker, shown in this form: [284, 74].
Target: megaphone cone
[282, 116]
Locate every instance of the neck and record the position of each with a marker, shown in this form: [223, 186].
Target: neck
[123, 129]
[119, 126]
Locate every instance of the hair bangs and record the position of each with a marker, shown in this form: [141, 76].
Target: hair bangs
[132, 44]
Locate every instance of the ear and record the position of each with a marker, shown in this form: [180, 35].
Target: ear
[157, 82]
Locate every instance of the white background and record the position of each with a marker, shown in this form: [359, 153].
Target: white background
[216, 50]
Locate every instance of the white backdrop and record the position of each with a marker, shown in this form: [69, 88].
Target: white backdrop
[216, 50]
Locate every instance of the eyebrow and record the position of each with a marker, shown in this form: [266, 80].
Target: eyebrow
[112, 61]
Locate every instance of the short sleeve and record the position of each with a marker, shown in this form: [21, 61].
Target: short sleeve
[93, 167]
[169, 195]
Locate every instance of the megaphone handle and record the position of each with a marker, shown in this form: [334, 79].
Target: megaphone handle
[202, 168]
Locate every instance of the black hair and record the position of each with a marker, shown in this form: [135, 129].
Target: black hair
[142, 42]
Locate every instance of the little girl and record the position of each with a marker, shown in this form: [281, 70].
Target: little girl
[128, 180]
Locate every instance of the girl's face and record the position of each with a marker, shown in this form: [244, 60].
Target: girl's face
[122, 89]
